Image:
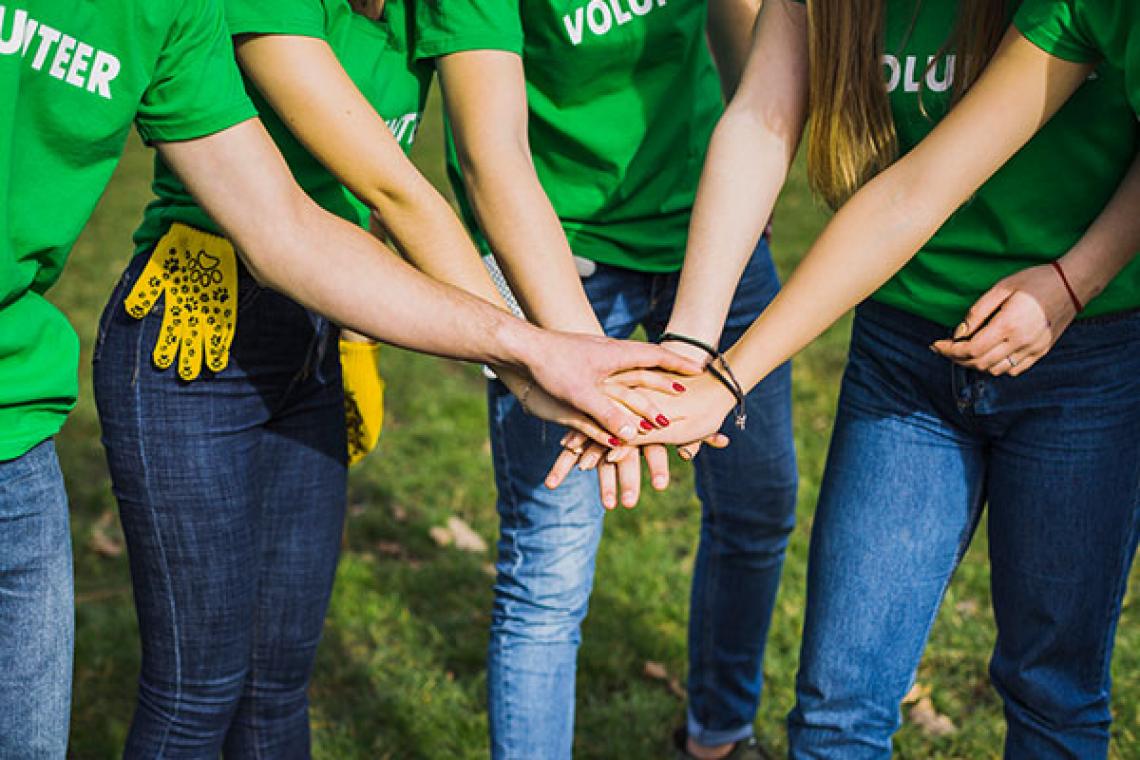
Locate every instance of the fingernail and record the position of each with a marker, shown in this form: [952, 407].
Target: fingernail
[684, 454]
[678, 387]
[615, 441]
[933, 350]
[662, 420]
[660, 482]
[565, 438]
[646, 425]
[627, 499]
[612, 455]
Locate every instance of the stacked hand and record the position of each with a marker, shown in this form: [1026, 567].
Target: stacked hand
[597, 386]
[682, 410]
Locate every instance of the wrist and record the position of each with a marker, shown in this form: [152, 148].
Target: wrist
[1086, 281]
[515, 344]
[1077, 301]
[708, 337]
[724, 400]
[697, 355]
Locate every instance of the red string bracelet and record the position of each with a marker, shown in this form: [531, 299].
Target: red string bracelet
[1068, 287]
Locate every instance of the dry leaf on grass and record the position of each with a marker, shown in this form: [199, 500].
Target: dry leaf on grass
[459, 533]
[105, 540]
[391, 549]
[655, 671]
[967, 607]
[917, 692]
[465, 537]
[930, 720]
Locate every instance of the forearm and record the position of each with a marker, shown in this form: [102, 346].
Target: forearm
[484, 92]
[1110, 243]
[747, 163]
[867, 241]
[893, 216]
[422, 225]
[741, 180]
[529, 243]
[321, 262]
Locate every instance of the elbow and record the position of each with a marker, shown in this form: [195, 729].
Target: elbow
[506, 157]
[267, 251]
[900, 205]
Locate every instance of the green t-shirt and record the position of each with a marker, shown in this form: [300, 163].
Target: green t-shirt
[622, 96]
[376, 56]
[73, 77]
[1088, 30]
[1035, 208]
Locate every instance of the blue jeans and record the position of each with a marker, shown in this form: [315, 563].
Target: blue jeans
[920, 445]
[37, 614]
[549, 539]
[231, 492]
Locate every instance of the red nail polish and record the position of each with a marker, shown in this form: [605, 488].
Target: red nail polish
[615, 441]
[662, 420]
[646, 425]
[678, 387]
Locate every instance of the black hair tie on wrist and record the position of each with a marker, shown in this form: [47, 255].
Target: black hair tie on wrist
[723, 373]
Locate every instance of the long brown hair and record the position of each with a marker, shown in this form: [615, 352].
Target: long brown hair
[851, 131]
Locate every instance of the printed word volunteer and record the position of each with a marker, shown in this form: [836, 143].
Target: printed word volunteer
[600, 16]
[74, 62]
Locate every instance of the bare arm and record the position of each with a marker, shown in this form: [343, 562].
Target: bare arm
[1110, 243]
[746, 166]
[338, 269]
[1019, 319]
[730, 25]
[485, 95]
[886, 222]
[305, 84]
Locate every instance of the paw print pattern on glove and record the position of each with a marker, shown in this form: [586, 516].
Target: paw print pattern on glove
[197, 274]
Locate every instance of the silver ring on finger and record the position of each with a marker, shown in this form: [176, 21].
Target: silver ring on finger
[1011, 360]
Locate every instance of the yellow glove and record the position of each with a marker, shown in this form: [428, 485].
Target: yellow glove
[197, 272]
[363, 396]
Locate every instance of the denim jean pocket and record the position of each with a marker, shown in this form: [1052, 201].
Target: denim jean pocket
[115, 302]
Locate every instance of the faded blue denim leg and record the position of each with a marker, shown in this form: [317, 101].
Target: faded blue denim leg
[549, 539]
[37, 617]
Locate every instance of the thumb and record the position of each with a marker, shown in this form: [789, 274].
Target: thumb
[982, 310]
[635, 354]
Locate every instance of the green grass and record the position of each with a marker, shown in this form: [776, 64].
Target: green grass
[400, 672]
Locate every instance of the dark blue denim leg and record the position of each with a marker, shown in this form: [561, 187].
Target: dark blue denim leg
[37, 615]
[900, 499]
[748, 503]
[1063, 511]
[194, 466]
[547, 544]
[299, 528]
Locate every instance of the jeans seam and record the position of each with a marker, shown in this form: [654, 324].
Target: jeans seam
[1104, 653]
[510, 504]
[963, 545]
[148, 500]
[712, 571]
